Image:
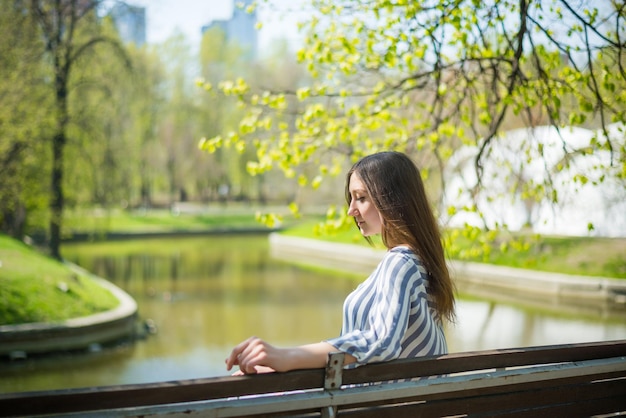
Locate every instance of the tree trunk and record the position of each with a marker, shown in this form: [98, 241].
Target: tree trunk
[58, 145]
[57, 202]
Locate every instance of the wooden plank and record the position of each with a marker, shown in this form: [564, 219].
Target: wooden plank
[516, 402]
[124, 396]
[583, 408]
[604, 396]
[483, 392]
[310, 400]
[482, 360]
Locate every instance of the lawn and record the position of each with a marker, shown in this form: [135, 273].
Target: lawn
[157, 220]
[36, 288]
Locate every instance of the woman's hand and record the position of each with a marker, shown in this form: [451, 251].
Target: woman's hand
[259, 370]
[256, 356]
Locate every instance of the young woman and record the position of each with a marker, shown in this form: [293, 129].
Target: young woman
[398, 312]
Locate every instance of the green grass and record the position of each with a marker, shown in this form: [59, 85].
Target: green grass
[36, 288]
[155, 220]
[587, 256]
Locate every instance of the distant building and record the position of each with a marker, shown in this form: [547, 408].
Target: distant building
[522, 159]
[240, 28]
[130, 22]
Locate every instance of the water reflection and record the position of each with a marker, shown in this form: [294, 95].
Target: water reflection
[487, 325]
[207, 294]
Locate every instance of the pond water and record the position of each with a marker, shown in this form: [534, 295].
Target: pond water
[206, 294]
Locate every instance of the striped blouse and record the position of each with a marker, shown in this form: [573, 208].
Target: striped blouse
[389, 315]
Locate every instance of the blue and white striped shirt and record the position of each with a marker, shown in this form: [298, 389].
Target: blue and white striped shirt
[389, 315]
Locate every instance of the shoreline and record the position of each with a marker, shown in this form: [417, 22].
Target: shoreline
[82, 333]
[598, 295]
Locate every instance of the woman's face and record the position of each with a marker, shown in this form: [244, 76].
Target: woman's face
[362, 208]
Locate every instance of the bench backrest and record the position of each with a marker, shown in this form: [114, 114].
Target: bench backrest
[576, 380]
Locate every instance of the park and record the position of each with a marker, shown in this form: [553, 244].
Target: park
[206, 184]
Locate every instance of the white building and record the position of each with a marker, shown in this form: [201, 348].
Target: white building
[576, 191]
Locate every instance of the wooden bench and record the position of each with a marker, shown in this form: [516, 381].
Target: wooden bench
[576, 380]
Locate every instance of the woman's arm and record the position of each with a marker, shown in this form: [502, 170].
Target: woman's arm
[254, 352]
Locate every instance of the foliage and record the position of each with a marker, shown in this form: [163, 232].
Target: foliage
[118, 127]
[24, 119]
[429, 77]
[101, 154]
[222, 59]
[70, 31]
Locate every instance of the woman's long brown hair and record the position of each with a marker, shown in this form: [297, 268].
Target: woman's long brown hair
[396, 189]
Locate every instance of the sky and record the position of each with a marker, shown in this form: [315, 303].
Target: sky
[164, 17]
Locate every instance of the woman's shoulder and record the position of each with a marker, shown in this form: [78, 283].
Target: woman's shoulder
[402, 251]
[404, 254]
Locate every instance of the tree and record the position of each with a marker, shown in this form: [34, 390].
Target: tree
[100, 154]
[180, 119]
[147, 107]
[70, 30]
[23, 121]
[427, 77]
[223, 59]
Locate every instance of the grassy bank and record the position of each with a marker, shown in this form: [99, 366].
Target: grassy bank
[35, 288]
[188, 218]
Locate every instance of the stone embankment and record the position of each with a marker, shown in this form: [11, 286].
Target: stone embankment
[84, 333]
[576, 293]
